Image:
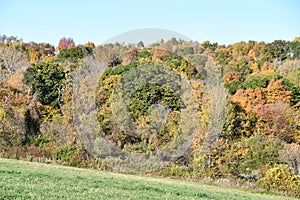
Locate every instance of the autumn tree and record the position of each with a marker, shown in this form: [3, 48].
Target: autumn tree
[11, 128]
[65, 43]
[223, 55]
[159, 53]
[90, 44]
[277, 120]
[210, 46]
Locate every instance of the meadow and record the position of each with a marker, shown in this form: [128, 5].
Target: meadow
[29, 180]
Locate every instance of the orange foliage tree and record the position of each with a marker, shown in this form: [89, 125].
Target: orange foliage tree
[90, 44]
[274, 92]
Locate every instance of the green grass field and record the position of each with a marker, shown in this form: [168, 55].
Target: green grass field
[27, 180]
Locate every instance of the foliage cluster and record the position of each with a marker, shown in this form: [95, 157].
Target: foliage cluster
[247, 93]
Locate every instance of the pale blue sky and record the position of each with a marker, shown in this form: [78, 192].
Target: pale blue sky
[97, 21]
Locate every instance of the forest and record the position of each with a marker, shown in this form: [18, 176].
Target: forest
[173, 108]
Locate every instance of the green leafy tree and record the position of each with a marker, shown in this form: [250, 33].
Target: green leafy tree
[254, 153]
[46, 80]
[172, 60]
[150, 94]
[187, 51]
[254, 82]
[275, 50]
[294, 50]
[75, 53]
[145, 54]
[233, 86]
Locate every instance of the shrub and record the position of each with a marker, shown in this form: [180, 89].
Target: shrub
[176, 171]
[281, 177]
[71, 154]
[252, 154]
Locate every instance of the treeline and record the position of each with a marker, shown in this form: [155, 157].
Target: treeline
[247, 97]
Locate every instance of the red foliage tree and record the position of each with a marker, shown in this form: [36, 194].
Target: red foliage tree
[65, 43]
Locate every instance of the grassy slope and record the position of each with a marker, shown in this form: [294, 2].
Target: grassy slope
[25, 180]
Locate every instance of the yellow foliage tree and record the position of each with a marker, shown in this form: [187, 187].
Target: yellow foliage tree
[276, 91]
[252, 54]
[254, 68]
[297, 39]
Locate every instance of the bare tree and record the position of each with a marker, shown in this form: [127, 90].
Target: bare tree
[105, 54]
[291, 155]
[10, 61]
[217, 96]
[8, 39]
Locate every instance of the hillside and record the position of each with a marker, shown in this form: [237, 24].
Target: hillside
[177, 108]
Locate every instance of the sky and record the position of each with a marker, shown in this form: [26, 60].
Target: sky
[225, 22]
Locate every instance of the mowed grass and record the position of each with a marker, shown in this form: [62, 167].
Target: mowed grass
[27, 180]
